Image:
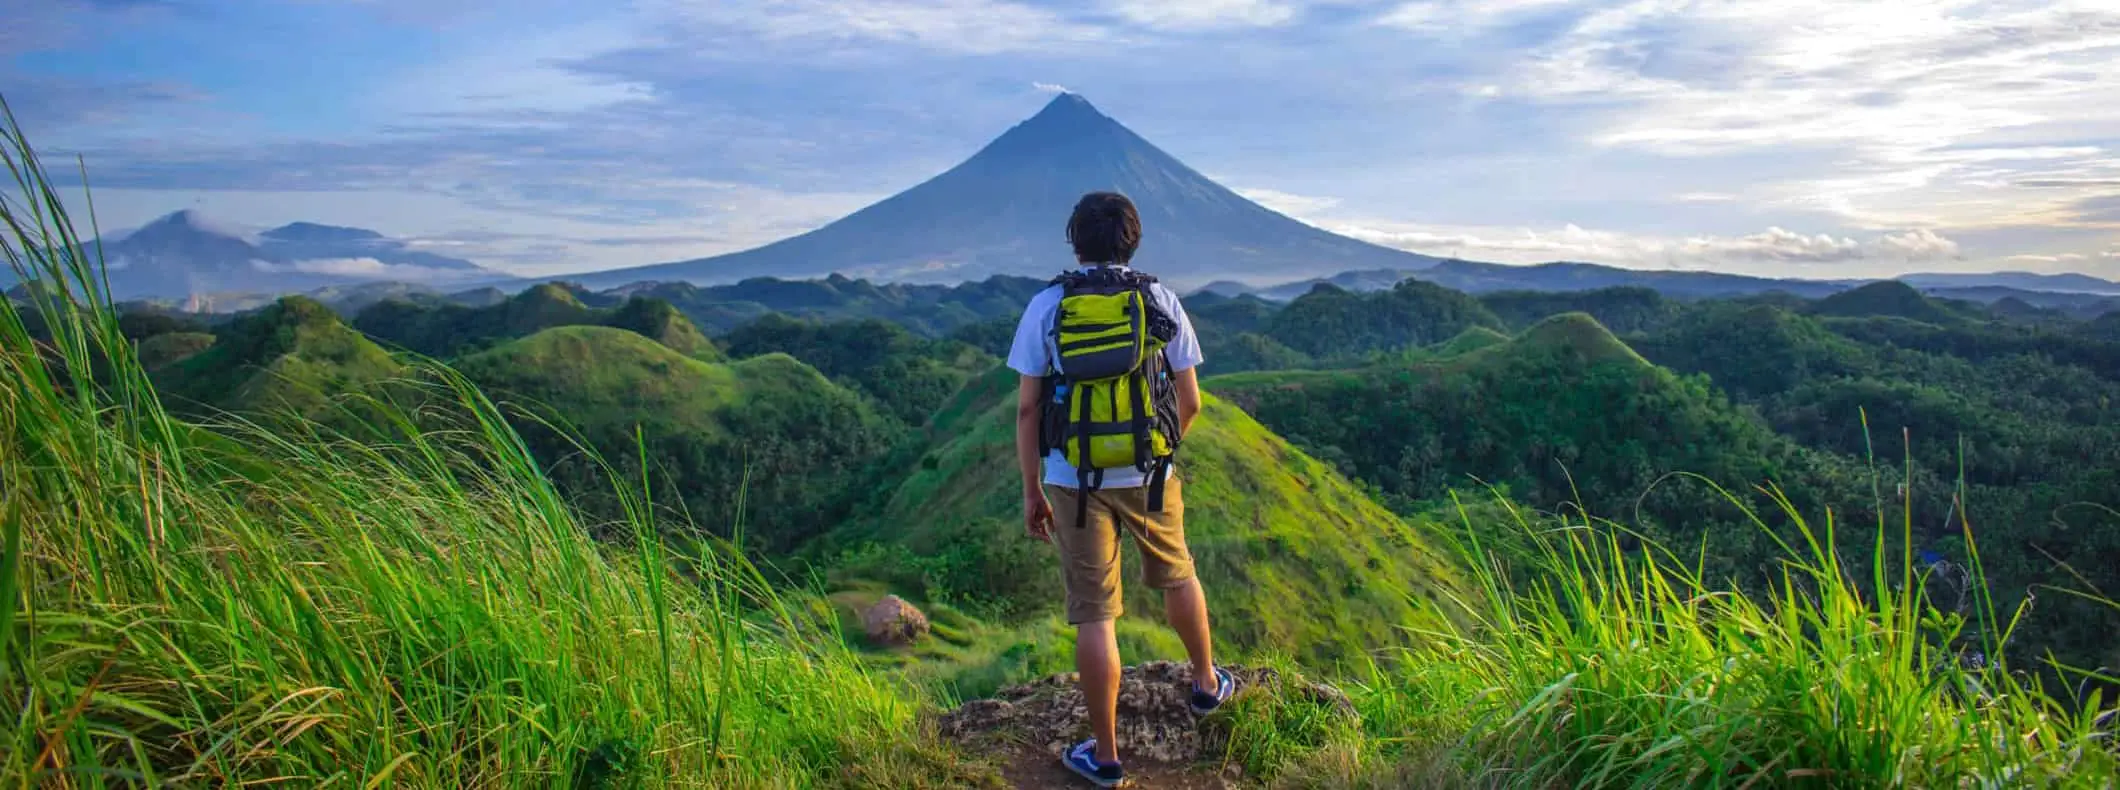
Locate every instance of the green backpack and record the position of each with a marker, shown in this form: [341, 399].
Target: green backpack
[1110, 402]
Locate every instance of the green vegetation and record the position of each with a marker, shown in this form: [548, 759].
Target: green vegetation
[907, 375]
[1624, 310]
[160, 351]
[222, 605]
[446, 329]
[1622, 668]
[1330, 323]
[768, 436]
[292, 356]
[1271, 531]
[1564, 416]
[929, 310]
[1886, 298]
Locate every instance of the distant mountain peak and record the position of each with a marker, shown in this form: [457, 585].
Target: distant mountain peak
[185, 221]
[1069, 106]
[1004, 209]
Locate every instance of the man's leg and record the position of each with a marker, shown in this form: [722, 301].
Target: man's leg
[1168, 565]
[1185, 606]
[1089, 560]
[1097, 659]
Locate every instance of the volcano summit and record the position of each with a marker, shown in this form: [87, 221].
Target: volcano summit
[1004, 211]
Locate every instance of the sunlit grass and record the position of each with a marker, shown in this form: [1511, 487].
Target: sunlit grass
[1619, 668]
[232, 603]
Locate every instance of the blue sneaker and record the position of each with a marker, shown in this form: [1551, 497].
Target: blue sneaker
[1203, 702]
[1083, 760]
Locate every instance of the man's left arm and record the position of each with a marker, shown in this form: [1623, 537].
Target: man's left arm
[1185, 358]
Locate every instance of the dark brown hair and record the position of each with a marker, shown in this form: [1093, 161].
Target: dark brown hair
[1104, 228]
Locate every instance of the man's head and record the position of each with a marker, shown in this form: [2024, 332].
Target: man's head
[1104, 228]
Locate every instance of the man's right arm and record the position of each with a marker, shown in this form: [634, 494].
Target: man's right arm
[1028, 357]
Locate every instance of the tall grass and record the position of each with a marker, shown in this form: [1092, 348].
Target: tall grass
[234, 603]
[1623, 668]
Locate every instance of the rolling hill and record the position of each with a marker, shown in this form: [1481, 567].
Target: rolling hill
[1272, 530]
[1563, 416]
[292, 355]
[449, 329]
[769, 432]
[1003, 211]
[1332, 323]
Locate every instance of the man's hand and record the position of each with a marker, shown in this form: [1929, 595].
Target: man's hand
[1037, 515]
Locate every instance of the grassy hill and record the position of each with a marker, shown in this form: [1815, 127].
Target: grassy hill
[292, 355]
[906, 374]
[1329, 323]
[445, 329]
[1468, 341]
[769, 429]
[930, 310]
[1564, 416]
[1294, 557]
[1624, 309]
[160, 351]
[1886, 298]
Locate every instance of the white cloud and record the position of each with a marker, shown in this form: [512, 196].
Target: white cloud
[367, 268]
[1758, 252]
[1205, 14]
[1463, 17]
[1921, 105]
[514, 73]
[1048, 87]
[1287, 203]
[2067, 256]
[977, 27]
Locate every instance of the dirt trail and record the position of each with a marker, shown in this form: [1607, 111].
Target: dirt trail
[1164, 744]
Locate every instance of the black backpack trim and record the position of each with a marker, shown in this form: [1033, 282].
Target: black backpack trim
[1155, 404]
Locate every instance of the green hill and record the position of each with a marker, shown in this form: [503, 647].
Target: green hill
[1625, 309]
[1886, 298]
[769, 429]
[1754, 350]
[661, 322]
[293, 354]
[1331, 323]
[908, 375]
[1472, 339]
[1276, 534]
[163, 350]
[930, 310]
[2105, 327]
[1565, 415]
[446, 329]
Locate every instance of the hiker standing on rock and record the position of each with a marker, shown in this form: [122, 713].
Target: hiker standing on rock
[1108, 389]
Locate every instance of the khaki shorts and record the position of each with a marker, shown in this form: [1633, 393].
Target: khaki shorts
[1089, 557]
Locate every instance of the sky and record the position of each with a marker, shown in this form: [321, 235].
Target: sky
[1803, 138]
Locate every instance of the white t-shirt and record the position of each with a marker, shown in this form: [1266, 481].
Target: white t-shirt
[1033, 354]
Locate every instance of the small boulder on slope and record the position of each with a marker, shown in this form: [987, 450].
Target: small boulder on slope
[892, 622]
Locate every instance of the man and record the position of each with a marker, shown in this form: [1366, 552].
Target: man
[1105, 230]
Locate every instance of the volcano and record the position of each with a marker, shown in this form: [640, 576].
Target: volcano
[1004, 211]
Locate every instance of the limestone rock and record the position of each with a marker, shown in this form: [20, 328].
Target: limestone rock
[892, 622]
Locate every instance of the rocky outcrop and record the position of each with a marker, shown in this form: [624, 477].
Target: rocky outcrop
[892, 622]
[1156, 723]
